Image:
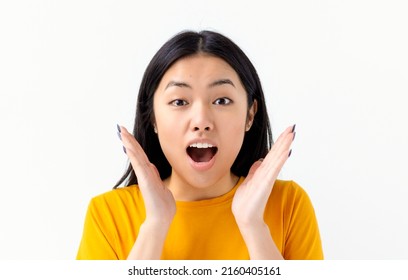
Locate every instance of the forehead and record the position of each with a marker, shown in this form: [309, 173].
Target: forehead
[200, 66]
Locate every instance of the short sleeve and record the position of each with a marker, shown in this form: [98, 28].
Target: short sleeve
[302, 240]
[95, 244]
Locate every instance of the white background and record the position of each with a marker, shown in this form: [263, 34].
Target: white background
[70, 71]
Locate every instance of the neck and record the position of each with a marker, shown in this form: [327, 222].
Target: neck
[200, 188]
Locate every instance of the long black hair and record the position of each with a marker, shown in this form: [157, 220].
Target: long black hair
[257, 141]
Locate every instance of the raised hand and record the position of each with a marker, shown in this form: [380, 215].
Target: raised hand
[250, 199]
[159, 202]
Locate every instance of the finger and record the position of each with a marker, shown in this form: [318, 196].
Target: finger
[282, 150]
[132, 145]
[281, 146]
[278, 165]
[276, 158]
[136, 154]
[288, 131]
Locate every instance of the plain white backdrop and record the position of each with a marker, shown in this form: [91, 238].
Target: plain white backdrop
[70, 71]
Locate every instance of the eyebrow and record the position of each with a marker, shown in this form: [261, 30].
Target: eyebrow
[213, 84]
[177, 84]
[221, 82]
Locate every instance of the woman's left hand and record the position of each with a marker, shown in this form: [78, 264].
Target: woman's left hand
[250, 199]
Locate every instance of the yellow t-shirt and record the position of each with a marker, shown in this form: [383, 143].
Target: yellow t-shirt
[203, 229]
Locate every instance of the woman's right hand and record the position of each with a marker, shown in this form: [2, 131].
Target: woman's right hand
[159, 201]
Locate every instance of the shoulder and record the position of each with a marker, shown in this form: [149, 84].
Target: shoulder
[120, 197]
[290, 196]
[298, 221]
[289, 189]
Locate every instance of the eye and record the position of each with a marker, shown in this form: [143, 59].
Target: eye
[222, 101]
[179, 102]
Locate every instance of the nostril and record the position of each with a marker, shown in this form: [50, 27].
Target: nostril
[207, 128]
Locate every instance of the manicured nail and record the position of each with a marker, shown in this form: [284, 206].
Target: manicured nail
[118, 127]
[124, 149]
[294, 134]
[293, 128]
[290, 152]
[120, 137]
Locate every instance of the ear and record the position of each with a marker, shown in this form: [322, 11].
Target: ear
[153, 123]
[155, 128]
[251, 115]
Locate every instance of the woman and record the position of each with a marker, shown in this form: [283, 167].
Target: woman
[202, 179]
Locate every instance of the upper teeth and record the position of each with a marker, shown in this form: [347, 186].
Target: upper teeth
[201, 145]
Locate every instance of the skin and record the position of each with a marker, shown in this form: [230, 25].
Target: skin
[201, 97]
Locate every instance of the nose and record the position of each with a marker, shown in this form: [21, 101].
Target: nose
[202, 119]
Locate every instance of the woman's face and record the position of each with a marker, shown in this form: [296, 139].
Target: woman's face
[201, 116]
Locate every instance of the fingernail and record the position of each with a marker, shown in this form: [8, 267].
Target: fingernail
[124, 149]
[120, 137]
[293, 128]
[290, 152]
[294, 134]
[118, 127]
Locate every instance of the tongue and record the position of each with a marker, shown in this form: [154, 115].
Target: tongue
[200, 155]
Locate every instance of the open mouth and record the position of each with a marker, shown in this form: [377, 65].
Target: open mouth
[201, 152]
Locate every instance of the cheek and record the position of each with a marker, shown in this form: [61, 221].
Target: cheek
[237, 129]
[234, 122]
[168, 143]
[170, 133]
[168, 130]
[233, 135]
[162, 119]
